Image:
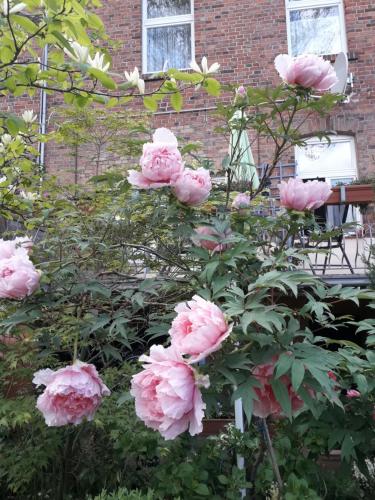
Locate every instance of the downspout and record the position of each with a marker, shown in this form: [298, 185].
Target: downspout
[43, 115]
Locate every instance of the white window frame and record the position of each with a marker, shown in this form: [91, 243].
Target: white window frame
[352, 172]
[158, 22]
[291, 5]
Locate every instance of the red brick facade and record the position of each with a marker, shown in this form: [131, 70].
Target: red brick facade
[244, 37]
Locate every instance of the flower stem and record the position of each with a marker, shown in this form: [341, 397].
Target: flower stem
[75, 348]
[271, 451]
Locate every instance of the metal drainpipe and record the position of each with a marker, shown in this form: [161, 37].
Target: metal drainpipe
[43, 115]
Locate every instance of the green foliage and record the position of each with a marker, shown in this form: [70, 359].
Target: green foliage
[72, 33]
[124, 494]
[116, 261]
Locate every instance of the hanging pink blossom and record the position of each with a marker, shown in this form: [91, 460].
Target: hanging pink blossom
[306, 70]
[193, 187]
[161, 162]
[8, 248]
[211, 245]
[267, 404]
[18, 276]
[242, 200]
[298, 195]
[199, 328]
[72, 393]
[167, 394]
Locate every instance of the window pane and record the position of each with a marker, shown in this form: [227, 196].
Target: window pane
[321, 159]
[315, 31]
[168, 44]
[162, 8]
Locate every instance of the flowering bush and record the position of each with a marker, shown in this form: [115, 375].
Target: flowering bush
[163, 255]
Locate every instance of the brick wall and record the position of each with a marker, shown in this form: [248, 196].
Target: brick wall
[244, 38]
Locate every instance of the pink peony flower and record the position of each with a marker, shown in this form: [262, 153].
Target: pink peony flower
[71, 394]
[211, 245]
[9, 247]
[198, 329]
[352, 393]
[193, 186]
[167, 395]
[242, 200]
[161, 162]
[18, 276]
[306, 70]
[298, 195]
[267, 403]
[332, 376]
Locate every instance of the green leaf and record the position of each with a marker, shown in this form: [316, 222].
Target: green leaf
[281, 394]
[202, 490]
[123, 398]
[177, 101]
[210, 269]
[103, 78]
[246, 392]
[150, 103]
[111, 352]
[283, 364]
[63, 41]
[212, 86]
[347, 448]
[14, 124]
[25, 22]
[298, 373]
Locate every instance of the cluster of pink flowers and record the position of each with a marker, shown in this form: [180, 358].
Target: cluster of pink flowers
[267, 404]
[162, 165]
[72, 393]
[306, 70]
[298, 195]
[167, 392]
[18, 276]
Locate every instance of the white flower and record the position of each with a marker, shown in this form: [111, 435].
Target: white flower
[12, 10]
[205, 69]
[81, 53]
[27, 195]
[134, 79]
[6, 139]
[28, 116]
[97, 62]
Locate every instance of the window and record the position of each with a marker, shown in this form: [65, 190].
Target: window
[334, 162]
[168, 34]
[315, 27]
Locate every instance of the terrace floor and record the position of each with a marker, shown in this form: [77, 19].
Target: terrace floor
[333, 267]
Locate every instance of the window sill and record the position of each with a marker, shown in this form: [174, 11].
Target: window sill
[152, 77]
